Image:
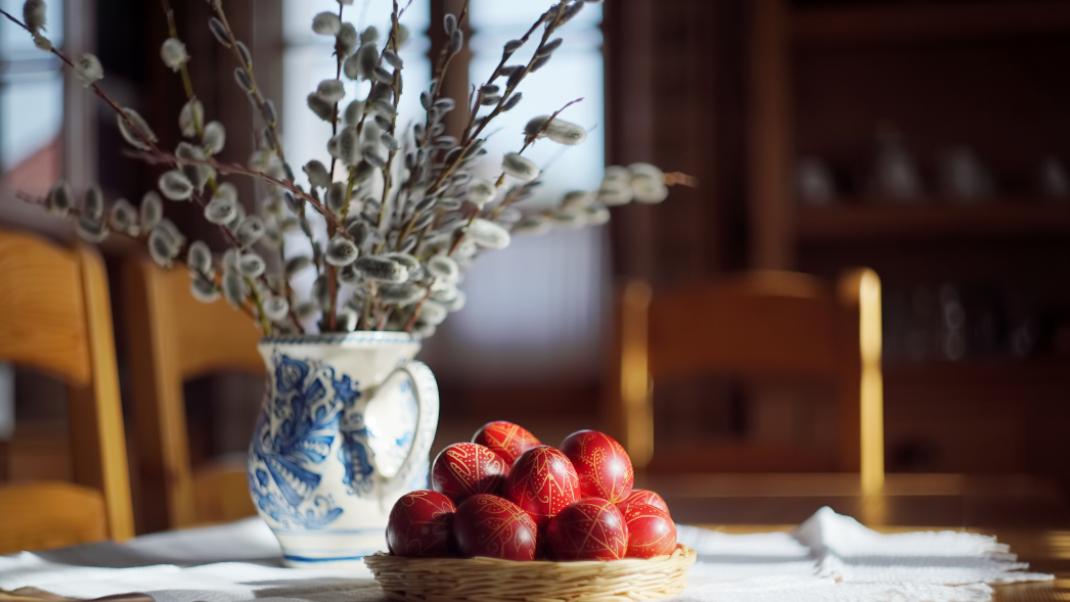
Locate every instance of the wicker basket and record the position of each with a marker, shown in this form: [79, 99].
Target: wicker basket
[544, 581]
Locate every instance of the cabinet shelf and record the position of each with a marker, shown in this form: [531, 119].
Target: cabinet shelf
[867, 220]
[932, 21]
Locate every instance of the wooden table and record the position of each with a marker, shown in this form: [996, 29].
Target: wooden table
[1030, 516]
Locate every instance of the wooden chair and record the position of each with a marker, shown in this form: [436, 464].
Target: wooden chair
[55, 316]
[754, 326]
[173, 338]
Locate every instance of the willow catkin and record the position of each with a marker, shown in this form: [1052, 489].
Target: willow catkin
[346, 38]
[401, 294]
[317, 174]
[122, 217]
[251, 265]
[215, 137]
[219, 31]
[234, 289]
[532, 224]
[93, 203]
[481, 192]
[151, 210]
[91, 231]
[59, 199]
[353, 112]
[486, 233]
[331, 90]
[296, 264]
[647, 183]
[175, 185]
[276, 308]
[326, 23]
[189, 118]
[203, 289]
[161, 249]
[135, 130]
[34, 15]
[220, 210]
[199, 257]
[408, 261]
[367, 60]
[444, 268]
[319, 106]
[173, 53]
[519, 167]
[382, 269]
[341, 251]
[250, 230]
[89, 69]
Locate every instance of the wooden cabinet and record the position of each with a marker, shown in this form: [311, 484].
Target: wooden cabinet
[824, 78]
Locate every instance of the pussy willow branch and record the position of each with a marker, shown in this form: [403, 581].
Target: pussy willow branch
[438, 76]
[529, 139]
[95, 87]
[337, 75]
[371, 301]
[462, 233]
[187, 81]
[233, 240]
[131, 127]
[254, 90]
[332, 272]
[476, 126]
[32, 200]
[161, 157]
[198, 125]
[274, 140]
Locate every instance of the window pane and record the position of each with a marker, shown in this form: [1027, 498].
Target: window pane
[31, 115]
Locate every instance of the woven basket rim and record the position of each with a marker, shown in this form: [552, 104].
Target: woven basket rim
[681, 551]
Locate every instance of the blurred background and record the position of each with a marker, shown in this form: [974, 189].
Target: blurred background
[926, 140]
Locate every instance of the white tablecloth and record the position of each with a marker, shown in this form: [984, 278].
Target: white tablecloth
[829, 557]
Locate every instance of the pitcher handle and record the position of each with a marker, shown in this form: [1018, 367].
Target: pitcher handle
[425, 389]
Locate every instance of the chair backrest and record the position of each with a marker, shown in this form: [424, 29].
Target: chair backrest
[55, 316]
[758, 325]
[173, 338]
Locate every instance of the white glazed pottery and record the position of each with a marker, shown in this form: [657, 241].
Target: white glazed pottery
[345, 429]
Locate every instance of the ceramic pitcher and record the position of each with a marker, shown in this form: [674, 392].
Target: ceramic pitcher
[345, 429]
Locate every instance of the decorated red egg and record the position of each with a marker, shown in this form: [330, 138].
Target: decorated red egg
[644, 496]
[651, 531]
[420, 524]
[604, 468]
[464, 469]
[488, 525]
[507, 439]
[542, 482]
[590, 529]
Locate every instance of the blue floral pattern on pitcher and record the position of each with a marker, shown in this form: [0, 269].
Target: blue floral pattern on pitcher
[311, 407]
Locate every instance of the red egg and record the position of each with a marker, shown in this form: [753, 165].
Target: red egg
[542, 482]
[508, 440]
[590, 529]
[488, 525]
[420, 524]
[651, 531]
[604, 468]
[644, 496]
[464, 469]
